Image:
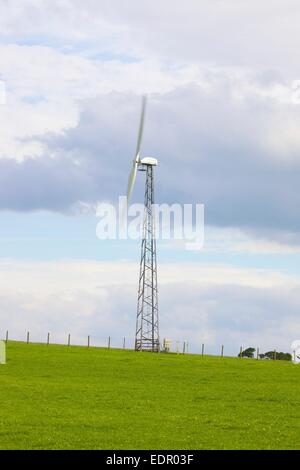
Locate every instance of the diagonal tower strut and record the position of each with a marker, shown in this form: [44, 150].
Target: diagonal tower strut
[147, 324]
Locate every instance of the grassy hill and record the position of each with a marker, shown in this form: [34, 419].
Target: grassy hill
[55, 397]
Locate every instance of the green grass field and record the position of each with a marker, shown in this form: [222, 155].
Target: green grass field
[55, 397]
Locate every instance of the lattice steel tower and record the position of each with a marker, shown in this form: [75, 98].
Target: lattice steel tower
[147, 321]
[147, 325]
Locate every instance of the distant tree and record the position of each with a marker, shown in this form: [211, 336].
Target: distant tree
[284, 356]
[270, 354]
[280, 356]
[249, 352]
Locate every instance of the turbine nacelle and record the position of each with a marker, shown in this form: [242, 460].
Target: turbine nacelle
[149, 161]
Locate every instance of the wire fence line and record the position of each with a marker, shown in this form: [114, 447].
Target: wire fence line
[70, 340]
[109, 342]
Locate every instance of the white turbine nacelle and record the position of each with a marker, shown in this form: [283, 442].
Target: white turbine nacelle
[149, 161]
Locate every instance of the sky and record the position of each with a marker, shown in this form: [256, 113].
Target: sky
[223, 86]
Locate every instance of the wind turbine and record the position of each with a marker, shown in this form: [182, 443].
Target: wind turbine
[147, 322]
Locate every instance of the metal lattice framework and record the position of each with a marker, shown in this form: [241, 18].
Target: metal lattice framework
[147, 324]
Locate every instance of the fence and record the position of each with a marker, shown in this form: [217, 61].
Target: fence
[68, 340]
[167, 345]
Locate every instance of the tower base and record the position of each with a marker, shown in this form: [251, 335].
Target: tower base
[147, 345]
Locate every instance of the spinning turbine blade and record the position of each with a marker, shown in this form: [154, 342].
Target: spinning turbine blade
[137, 159]
[140, 134]
[131, 179]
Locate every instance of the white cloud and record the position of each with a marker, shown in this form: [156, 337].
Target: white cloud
[234, 240]
[215, 304]
[45, 85]
[254, 33]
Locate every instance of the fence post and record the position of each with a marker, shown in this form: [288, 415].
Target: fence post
[274, 354]
[89, 341]
[183, 348]
[241, 352]
[294, 355]
[109, 342]
[124, 343]
[222, 351]
[187, 347]
[48, 339]
[69, 340]
[202, 352]
[2, 352]
[6, 339]
[27, 337]
[257, 353]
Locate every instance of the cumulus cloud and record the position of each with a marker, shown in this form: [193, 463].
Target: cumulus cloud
[224, 117]
[253, 34]
[205, 136]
